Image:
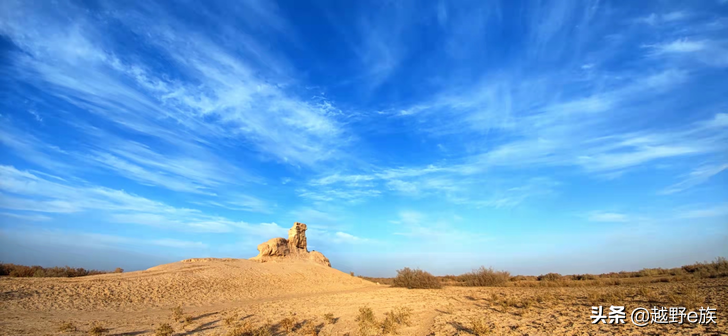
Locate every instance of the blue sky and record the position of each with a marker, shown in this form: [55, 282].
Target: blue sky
[565, 136]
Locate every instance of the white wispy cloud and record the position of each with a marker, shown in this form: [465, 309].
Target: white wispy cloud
[679, 46]
[664, 18]
[22, 190]
[696, 177]
[432, 228]
[343, 237]
[32, 218]
[46, 236]
[223, 97]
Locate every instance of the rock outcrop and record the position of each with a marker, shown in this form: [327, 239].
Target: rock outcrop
[295, 247]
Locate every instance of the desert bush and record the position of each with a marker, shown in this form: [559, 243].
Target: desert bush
[544, 297]
[508, 302]
[230, 320]
[244, 329]
[187, 320]
[264, 330]
[549, 277]
[416, 278]
[14, 270]
[485, 277]
[582, 277]
[687, 297]
[118, 270]
[164, 330]
[395, 318]
[97, 330]
[367, 322]
[329, 318]
[479, 326]
[310, 328]
[177, 313]
[289, 322]
[67, 327]
[715, 269]
[523, 278]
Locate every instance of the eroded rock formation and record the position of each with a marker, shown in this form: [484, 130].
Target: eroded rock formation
[295, 247]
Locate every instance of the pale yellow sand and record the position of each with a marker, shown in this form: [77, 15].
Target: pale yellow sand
[209, 291]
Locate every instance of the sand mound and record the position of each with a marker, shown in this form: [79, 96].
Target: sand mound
[192, 282]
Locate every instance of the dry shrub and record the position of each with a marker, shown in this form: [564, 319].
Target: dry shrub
[549, 277]
[368, 324]
[582, 277]
[310, 328]
[523, 278]
[67, 327]
[396, 317]
[329, 318]
[526, 303]
[187, 321]
[244, 329]
[479, 326]
[97, 330]
[118, 270]
[485, 277]
[595, 298]
[645, 292]
[508, 302]
[416, 278]
[14, 270]
[264, 330]
[715, 269]
[164, 330]
[686, 296]
[230, 320]
[177, 313]
[544, 298]
[289, 322]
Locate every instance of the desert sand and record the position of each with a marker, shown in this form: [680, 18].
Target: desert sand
[215, 295]
[211, 290]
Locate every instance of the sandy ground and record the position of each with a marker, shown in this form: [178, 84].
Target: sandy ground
[213, 291]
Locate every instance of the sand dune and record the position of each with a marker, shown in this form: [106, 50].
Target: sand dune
[192, 282]
[211, 291]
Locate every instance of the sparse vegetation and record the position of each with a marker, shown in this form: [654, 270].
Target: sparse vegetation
[485, 277]
[479, 326]
[187, 321]
[549, 277]
[289, 323]
[14, 270]
[230, 320]
[97, 330]
[686, 296]
[394, 319]
[164, 330]
[177, 313]
[118, 270]
[329, 318]
[409, 278]
[367, 322]
[67, 327]
[715, 269]
[310, 328]
[243, 329]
